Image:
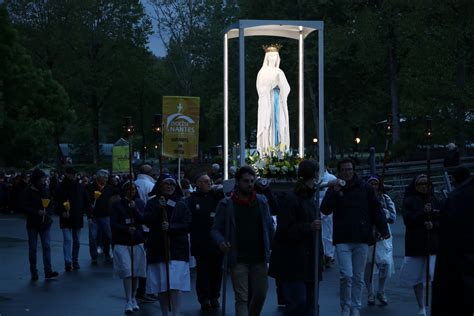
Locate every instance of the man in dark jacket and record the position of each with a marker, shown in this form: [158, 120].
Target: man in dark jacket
[38, 222]
[356, 209]
[453, 286]
[202, 204]
[102, 195]
[72, 202]
[243, 227]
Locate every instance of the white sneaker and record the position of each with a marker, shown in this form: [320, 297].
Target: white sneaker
[135, 305]
[129, 308]
[422, 311]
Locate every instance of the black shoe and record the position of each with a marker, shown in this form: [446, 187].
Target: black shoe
[76, 266]
[51, 274]
[206, 306]
[215, 303]
[34, 276]
[68, 268]
[108, 260]
[94, 260]
[144, 298]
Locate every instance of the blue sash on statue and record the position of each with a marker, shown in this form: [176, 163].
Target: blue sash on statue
[276, 113]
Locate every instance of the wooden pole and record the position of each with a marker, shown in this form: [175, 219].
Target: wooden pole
[388, 135]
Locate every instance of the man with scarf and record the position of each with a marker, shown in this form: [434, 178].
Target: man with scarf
[247, 216]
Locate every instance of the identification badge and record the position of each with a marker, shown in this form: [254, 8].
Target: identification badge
[128, 221]
[171, 203]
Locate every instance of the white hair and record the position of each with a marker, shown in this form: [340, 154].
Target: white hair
[102, 173]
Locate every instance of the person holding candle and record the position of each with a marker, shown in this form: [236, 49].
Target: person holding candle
[35, 204]
[72, 202]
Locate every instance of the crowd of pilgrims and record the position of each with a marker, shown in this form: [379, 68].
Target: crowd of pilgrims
[154, 230]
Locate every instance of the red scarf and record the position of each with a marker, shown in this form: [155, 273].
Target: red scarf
[244, 201]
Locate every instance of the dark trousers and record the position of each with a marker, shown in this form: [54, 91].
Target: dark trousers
[208, 276]
[45, 245]
[299, 298]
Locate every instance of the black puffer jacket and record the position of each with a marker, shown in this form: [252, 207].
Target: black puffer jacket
[356, 210]
[292, 258]
[414, 217]
[179, 218]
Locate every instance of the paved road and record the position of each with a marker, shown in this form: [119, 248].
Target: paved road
[93, 290]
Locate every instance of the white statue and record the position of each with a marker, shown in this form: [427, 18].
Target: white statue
[273, 129]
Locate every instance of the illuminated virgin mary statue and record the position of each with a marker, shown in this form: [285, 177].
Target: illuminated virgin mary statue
[273, 129]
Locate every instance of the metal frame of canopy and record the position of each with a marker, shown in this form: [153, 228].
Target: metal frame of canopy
[297, 30]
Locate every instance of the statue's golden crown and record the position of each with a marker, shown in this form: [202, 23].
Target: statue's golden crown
[272, 47]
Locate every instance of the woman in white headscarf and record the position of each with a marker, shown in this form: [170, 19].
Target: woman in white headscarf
[273, 128]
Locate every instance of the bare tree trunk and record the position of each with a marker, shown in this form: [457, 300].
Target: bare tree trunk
[394, 93]
[94, 106]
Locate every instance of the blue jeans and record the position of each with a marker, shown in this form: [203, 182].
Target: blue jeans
[351, 259]
[71, 237]
[299, 298]
[45, 245]
[102, 223]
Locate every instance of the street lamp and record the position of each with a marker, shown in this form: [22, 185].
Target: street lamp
[158, 129]
[357, 140]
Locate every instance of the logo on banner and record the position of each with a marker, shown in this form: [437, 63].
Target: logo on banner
[180, 123]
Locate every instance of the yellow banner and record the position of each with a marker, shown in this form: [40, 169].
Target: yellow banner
[120, 159]
[180, 127]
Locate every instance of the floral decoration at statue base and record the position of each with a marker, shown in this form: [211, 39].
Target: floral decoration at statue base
[278, 164]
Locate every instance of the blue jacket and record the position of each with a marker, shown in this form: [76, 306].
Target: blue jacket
[225, 211]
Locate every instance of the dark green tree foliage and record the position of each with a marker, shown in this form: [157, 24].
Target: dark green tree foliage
[89, 46]
[35, 107]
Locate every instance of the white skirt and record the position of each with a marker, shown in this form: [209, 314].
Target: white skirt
[383, 255]
[180, 277]
[123, 261]
[413, 270]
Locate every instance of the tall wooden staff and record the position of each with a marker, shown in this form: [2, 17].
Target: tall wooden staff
[129, 130]
[388, 134]
[428, 136]
[167, 250]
